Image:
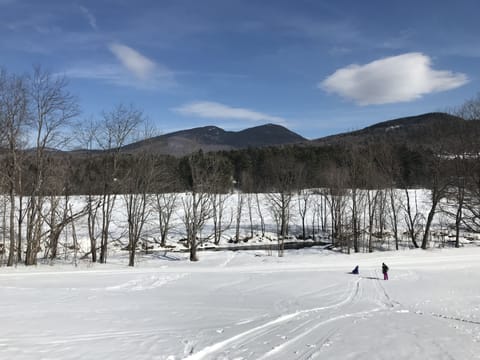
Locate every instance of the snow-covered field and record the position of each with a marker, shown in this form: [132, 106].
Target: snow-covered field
[247, 305]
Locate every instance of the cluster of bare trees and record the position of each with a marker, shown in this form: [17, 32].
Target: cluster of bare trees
[37, 115]
[362, 203]
[34, 111]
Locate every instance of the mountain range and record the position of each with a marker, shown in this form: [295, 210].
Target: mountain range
[426, 129]
[212, 138]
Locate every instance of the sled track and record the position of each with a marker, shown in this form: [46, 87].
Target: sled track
[447, 317]
[393, 303]
[289, 329]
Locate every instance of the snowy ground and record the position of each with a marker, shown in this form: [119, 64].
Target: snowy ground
[247, 305]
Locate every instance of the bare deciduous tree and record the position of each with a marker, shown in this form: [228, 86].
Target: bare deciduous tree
[13, 120]
[165, 205]
[207, 173]
[258, 208]
[219, 204]
[86, 138]
[52, 108]
[288, 178]
[336, 195]
[304, 204]
[413, 218]
[439, 184]
[137, 184]
[466, 187]
[114, 130]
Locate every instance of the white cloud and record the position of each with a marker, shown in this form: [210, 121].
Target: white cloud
[134, 70]
[90, 17]
[214, 110]
[394, 79]
[141, 66]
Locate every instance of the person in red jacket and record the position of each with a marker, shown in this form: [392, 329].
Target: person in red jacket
[385, 271]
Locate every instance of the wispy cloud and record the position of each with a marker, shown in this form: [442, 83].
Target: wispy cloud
[132, 60]
[133, 70]
[89, 16]
[394, 79]
[118, 75]
[214, 110]
[109, 72]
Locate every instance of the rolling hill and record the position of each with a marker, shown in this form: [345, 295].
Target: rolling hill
[429, 130]
[212, 138]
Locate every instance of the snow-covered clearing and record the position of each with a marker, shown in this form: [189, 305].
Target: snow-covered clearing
[247, 305]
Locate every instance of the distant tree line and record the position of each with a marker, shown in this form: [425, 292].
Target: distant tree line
[254, 170]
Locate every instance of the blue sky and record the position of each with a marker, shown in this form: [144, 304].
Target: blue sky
[317, 67]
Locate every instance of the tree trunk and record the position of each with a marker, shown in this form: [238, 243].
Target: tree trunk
[411, 222]
[428, 224]
[20, 228]
[355, 221]
[11, 253]
[239, 216]
[394, 216]
[260, 215]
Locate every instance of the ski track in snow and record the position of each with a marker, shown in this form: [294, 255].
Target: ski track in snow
[273, 325]
[292, 329]
[420, 328]
[229, 259]
[145, 283]
[46, 339]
